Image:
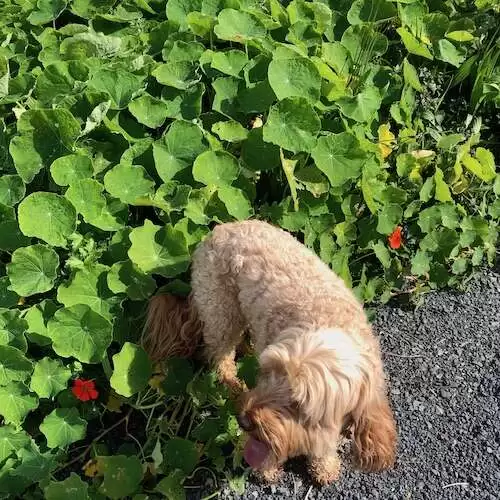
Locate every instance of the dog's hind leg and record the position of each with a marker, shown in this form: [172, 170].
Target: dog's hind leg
[216, 300]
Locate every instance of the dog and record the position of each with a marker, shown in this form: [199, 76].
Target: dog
[321, 370]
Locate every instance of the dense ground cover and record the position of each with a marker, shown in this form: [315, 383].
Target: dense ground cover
[129, 128]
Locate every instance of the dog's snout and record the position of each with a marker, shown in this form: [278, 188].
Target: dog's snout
[244, 422]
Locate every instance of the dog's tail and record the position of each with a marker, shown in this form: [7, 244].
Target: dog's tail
[172, 328]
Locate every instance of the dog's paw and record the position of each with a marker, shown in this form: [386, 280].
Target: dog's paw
[270, 475]
[325, 470]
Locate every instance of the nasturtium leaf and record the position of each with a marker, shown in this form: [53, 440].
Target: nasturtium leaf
[410, 75]
[238, 26]
[49, 378]
[370, 11]
[125, 277]
[43, 136]
[149, 111]
[362, 107]
[72, 487]
[181, 454]
[16, 401]
[230, 131]
[34, 465]
[442, 191]
[258, 154]
[10, 234]
[339, 157]
[132, 370]
[446, 51]
[37, 317]
[14, 366]
[183, 104]
[294, 77]
[119, 84]
[172, 196]
[449, 141]
[47, 216]
[460, 36]
[47, 11]
[230, 62]
[227, 92]
[12, 329]
[122, 476]
[11, 441]
[33, 270]
[413, 45]
[62, 427]
[87, 196]
[70, 168]
[79, 332]
[87, 286]
[236, 202]
[483, 166]
[293, 125]
[179, 373]
[178, 74]
[8, 298]
[420, 263]
[12, 190]
[218, 168]
[389, 216]
[171, 486]
[177, 10]
[178, 149]
[159, 250]
[128, 183]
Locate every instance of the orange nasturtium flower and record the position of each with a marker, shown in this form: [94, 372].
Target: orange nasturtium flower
[396, 238]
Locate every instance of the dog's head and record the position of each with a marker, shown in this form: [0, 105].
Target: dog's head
[309, 383]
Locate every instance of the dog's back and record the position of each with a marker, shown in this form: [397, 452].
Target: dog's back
[278, 281]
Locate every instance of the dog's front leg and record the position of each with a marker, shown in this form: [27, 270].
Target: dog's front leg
[325, 470]
[271, 471]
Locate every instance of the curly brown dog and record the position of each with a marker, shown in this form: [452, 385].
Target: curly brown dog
[320, 364]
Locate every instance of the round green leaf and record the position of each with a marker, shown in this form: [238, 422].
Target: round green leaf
[129, 183]
[72, 487]
[339, 157]
[11, 441]
[230, 131]
[33, 270]
[362, 107]
[14, 366]
[87, 286]
[292, 124]
[49, 378]
[178, 149]
[16, 401]
[238, 26]
[62, 427]
[157, 250]
[362, 11]
[236, 201]
[87, 196]
[230, 62]
[122, 476]
[217, 168]
[181, 454]
[12, 190]
[149, 110]
[12, 329]
[295, 77]
[43, 136]
[125, 277]
[180, 75]
[132, 370]
[79, 332]
[37, 317]
[71, 168]
[47, 216]
[258, 154]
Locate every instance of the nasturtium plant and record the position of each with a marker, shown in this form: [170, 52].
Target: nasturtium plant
[130, 128]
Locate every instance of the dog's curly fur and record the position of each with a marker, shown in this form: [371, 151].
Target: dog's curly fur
[320, 364]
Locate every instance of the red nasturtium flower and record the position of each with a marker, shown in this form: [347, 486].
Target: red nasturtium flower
[84, 390]
[396, 238]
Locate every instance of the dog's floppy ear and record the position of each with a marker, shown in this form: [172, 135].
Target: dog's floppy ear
[324, 371]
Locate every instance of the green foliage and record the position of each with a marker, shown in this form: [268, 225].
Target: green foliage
[129, 128]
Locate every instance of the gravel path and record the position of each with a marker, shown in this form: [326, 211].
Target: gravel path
[443, 361]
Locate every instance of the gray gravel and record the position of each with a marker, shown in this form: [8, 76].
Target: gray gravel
[443, 364]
